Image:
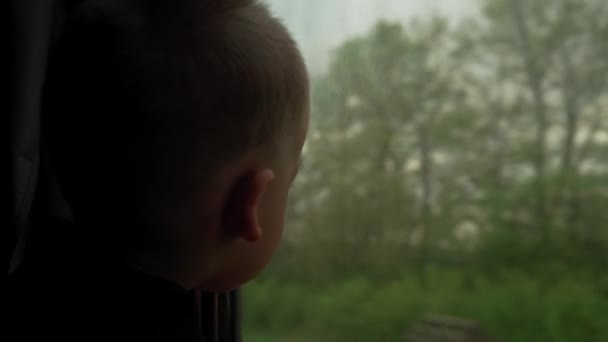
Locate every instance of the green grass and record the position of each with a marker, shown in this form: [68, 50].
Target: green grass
[513, 306]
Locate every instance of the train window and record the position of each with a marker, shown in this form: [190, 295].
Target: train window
[455, 175]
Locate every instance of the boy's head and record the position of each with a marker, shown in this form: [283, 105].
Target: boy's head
[176, 128]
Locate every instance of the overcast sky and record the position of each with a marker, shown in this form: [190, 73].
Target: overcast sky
[320, 25]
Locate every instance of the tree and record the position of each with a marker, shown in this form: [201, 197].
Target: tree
[427, 142]
[556, 67]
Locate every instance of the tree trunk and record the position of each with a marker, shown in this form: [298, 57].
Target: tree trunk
[570, 197]
[425, 150]
[535, 78]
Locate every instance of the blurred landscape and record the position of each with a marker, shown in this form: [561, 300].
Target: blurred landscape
[456, 164]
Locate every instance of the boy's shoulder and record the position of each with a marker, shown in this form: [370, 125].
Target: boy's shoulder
[73, 296]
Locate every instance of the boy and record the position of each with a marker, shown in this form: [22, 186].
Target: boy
[175, 129]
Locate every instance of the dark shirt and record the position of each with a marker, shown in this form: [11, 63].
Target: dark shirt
[72, 291]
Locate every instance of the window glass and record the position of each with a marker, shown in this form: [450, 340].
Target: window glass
[455, 177]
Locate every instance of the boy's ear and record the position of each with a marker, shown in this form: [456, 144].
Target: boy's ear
[240, 214]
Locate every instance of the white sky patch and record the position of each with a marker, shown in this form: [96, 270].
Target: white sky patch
[555, 135]
[321, 25]
[440, 158]
[315, 135]
[601, 138]
[412, 165]
[466, 230]
[353, 101]
[355, 129]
